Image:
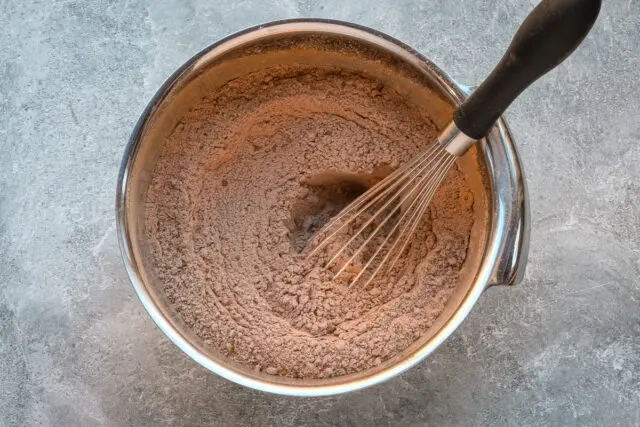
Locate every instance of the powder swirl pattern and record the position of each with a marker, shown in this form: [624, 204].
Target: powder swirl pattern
[245, 180]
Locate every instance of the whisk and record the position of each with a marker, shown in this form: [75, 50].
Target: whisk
[387, 215]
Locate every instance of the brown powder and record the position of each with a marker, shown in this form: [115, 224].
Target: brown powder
[244, 181]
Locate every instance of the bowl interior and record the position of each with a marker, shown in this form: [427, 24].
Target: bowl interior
[345, 47]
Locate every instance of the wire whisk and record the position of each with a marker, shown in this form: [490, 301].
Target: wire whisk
[379, 224]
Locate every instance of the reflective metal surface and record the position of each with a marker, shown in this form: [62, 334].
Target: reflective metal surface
[502, 262]
[510, 207]
[454, 140]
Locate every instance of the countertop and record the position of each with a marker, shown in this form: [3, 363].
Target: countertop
[77, 347]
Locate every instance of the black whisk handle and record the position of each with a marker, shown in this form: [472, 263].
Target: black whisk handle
[546, 37]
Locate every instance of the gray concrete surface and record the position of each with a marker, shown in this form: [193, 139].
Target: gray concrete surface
[76, 346]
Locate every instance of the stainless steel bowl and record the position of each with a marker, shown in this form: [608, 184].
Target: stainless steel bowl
[318, 41]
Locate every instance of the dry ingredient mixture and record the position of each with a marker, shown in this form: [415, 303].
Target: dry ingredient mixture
[245, 180]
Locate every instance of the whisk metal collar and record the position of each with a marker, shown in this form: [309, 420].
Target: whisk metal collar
[454, 140]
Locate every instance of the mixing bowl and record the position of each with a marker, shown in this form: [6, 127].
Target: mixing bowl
[503, 234]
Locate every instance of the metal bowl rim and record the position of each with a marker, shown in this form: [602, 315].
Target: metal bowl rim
[124, 239]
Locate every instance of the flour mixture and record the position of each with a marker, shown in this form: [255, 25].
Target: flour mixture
[245, 180]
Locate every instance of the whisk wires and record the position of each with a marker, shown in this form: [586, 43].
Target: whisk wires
[385, 217]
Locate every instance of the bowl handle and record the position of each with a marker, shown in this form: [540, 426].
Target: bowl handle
[511, 214]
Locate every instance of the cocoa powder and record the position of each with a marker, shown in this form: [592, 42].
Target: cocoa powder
[242, 184]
